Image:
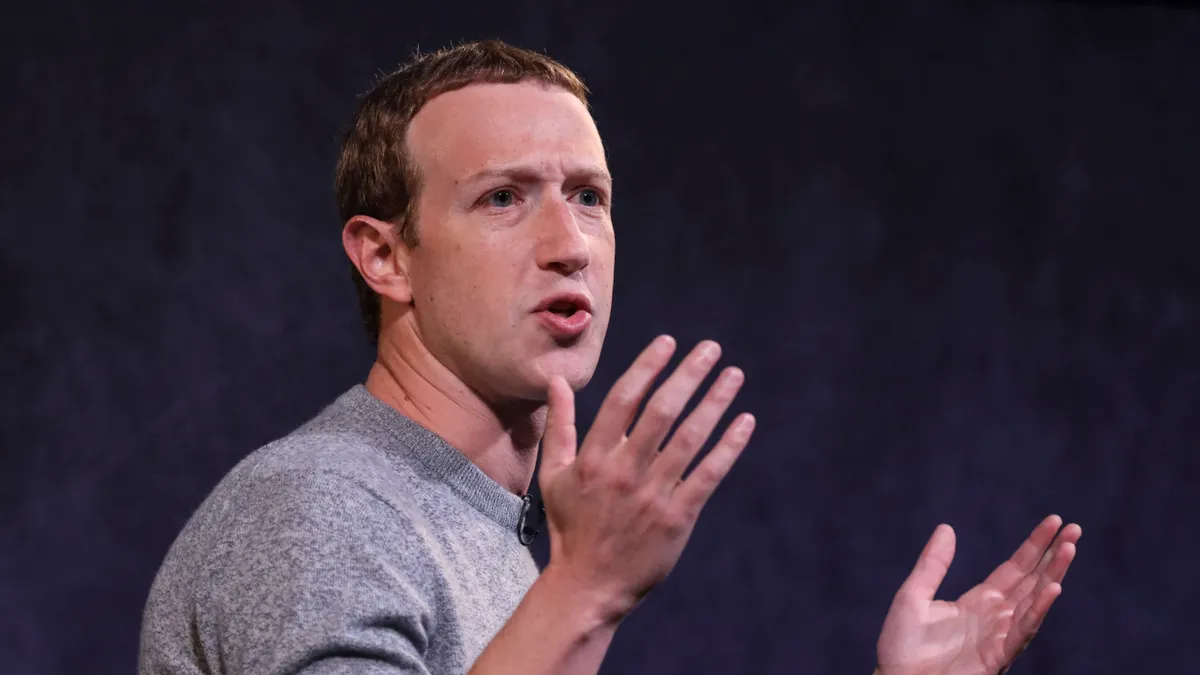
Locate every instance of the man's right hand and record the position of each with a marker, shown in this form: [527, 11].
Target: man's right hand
[618, 509]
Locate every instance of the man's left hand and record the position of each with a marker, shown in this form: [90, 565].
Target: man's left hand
[990, 625]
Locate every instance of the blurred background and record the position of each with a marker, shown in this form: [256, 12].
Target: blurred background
[953, 246]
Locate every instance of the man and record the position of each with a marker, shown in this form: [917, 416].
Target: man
[388, 534]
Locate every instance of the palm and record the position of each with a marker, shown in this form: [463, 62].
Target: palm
[989, 626]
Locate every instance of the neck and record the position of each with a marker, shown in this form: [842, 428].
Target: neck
[501, 439]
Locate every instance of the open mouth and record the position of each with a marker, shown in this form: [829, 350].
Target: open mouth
[566, 316]
[563, 308]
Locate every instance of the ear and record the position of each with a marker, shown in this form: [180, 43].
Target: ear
[382, 258]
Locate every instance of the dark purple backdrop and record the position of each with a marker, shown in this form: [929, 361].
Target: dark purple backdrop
[953, 249]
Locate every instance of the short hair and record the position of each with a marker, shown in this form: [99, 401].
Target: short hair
[376, 176]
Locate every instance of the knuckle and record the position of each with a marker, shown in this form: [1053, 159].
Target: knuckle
[590, 470]
[724, 392]
[675, 523]
[647, 501]
[622, 481]
[625, 395]
[648, 504]
[698, 367]
[690, 437]
[706, 476]
[660, 409]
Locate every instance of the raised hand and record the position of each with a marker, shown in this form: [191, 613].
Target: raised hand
[618, 509]
[990, 625]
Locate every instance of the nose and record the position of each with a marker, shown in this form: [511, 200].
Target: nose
[561, 245]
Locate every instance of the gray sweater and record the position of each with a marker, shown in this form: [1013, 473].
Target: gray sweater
[359, 543]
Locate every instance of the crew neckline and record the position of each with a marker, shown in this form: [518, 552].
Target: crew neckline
[462, 475]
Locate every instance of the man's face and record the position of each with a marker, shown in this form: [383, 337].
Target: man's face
[513, 212]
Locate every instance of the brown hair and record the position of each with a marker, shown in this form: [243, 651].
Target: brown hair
[376, 177]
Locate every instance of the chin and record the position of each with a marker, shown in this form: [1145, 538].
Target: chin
[576, 365]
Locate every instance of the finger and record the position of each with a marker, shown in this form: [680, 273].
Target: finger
[1052, 566]
[1027, 556]
[1027, 622]
[695, 430]
[1036, 613]
[669, 401]
[695, 492]
[1030, 553]
[1056, 569]
[1067, 536]
[929, 572]
[622, 401]
[558, 442]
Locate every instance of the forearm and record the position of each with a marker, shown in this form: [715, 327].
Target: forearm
[556, 630]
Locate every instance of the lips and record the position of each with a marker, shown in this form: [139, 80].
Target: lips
[566, 315]
[565, 303]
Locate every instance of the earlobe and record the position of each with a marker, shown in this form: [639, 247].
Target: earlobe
[376, 250]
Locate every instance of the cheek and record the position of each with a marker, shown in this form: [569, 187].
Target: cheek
[603, 255]
[493, 284]
[450, 290]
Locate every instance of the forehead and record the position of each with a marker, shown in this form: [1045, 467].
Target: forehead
[484, 126]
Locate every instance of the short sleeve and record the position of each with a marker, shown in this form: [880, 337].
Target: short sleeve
[314, 574]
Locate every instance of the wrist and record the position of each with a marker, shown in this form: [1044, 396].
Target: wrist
[558, 627]
[587, 605]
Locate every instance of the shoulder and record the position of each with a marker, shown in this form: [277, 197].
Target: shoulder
[309, 501]
[287, 559]
[315, 526]
[322, 527]
[335, 487]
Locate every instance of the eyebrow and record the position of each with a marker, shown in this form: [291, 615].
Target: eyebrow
[528, 174]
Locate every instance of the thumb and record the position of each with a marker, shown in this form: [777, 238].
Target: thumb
[931, 566]
[558, 442]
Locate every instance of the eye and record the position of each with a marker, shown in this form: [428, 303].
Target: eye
[501, 198]
[590, 198]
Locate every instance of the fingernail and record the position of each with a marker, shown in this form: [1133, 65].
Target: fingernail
[733, 377]
[709, 351]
